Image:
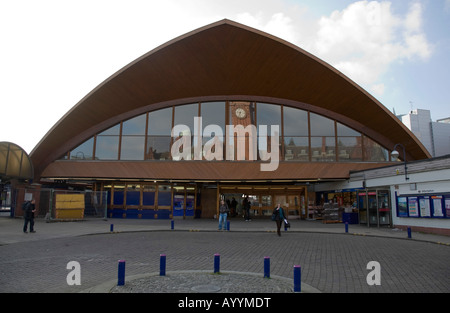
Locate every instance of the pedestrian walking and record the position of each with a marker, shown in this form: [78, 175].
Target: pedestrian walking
[28, 214]
[223, 212]
[246, 206]
[278, 216]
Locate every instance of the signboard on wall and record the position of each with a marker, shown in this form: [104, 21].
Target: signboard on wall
[428, 206]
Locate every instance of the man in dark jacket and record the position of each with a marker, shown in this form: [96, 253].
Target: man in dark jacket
[28, 215]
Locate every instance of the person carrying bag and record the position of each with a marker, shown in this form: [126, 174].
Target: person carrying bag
[279, 217]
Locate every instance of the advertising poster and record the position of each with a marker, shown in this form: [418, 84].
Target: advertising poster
[402, 207]
[413, 207]
[424, 205]
[447, 207]
[437, 206]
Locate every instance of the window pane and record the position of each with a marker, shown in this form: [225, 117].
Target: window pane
[132, 148]
[268, 114]
[158, 148]
[296, 149]
[107, 148]
[373, 152]
[160, 122]
[213, 113]
[184, 115]
[350, 149]
[115, 130]
[323, 149]
[83, 151]
[321, 126]
[135, 126]
[343, 130]
[295, 122]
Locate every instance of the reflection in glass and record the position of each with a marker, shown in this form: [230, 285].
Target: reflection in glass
[350, 149]
[321, 126]
[295, 122]
[107, 148]
[115, 130]
[373, 152]
[184, 115]
[213, 113]
[160, 122]
[158, 148]
[135, 126]
[83, 151]
[323, 149]
[132, 148]
[296, 149]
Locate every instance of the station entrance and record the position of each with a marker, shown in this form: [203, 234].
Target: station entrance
[264, 198]
[164, 200]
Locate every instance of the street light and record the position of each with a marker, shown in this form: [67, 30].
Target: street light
[395, 155]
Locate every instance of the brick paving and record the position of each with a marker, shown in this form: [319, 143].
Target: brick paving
[331, 260]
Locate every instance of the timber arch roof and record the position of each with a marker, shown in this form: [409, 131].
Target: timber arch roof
[227, 61]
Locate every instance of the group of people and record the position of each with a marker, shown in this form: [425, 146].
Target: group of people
[224, 209]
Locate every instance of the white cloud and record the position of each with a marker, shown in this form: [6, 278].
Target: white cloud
[365, 38]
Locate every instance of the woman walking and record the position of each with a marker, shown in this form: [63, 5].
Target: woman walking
[278, 216]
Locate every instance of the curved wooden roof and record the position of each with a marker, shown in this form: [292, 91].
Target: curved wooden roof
[225, 60]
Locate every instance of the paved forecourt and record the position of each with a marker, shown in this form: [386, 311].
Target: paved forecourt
[331, 260]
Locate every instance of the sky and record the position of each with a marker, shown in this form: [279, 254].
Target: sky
[54, 52]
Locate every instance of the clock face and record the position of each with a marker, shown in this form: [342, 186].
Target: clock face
[240, 113]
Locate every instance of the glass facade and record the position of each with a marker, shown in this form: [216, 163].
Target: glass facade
[303, 136]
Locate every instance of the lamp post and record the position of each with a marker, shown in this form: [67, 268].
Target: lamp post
[395, 154]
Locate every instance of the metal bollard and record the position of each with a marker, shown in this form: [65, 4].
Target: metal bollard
[216, 263]
[111, 228]
[121, 273]
[172, 224]
[228, 225]
[162, 265]
[297, 278]
[409, 232]
[266, 267]
[346, 227]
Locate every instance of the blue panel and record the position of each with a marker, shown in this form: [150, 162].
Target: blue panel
[118, 198]
[164, 198]
[163, 214]
[132, 213]
[148, 198]
[133, 197]
[148, 214]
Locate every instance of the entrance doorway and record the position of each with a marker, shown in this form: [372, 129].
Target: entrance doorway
[184, 199]
[264, 199]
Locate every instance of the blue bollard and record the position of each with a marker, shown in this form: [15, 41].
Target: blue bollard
[266, 267]
[216, 263]
[228, 225]
[162, 265]
[121, 274]
[172, 224]
[409, 232]
[346, 227]
[297, 278]
[111, 228]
